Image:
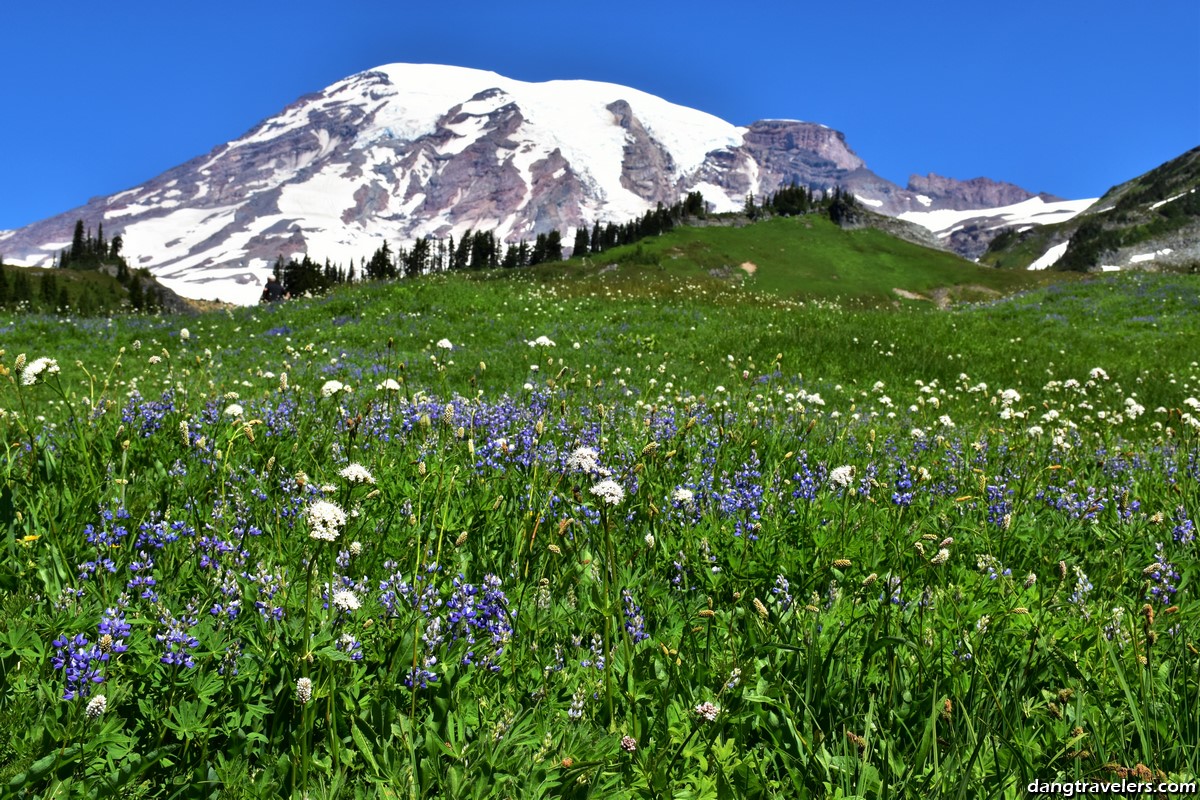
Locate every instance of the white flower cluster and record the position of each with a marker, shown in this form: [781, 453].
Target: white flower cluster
[586, 459]
[842, 477]
[325, 520]
[345, 601]
[357, 473]
[609, 491]
[332, 387]
[37, 369]
[541, 341]
[683, 496]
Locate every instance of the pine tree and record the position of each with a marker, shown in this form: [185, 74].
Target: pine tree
[77, 242]
[581, 247]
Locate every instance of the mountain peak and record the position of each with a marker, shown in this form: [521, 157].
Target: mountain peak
[404, 151]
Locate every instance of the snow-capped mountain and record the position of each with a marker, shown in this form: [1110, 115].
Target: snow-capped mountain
[404, 151]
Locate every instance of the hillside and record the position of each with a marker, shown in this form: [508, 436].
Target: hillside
[84, 292]
[805, 257]
[1150, 222]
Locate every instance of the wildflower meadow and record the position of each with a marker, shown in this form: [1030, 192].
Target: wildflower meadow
[606, 536]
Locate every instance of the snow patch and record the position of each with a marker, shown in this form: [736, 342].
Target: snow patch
[925, 201]
[1049, 258]
[1138, 259]
[1162, 203]
[1035, 211]
[866, 201]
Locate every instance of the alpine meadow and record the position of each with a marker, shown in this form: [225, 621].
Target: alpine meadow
[636, 527]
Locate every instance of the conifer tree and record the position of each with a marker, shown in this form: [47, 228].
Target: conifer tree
[580, 248]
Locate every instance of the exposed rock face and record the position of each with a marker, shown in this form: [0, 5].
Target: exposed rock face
[646, 166]
[406, 151]
[974, 193]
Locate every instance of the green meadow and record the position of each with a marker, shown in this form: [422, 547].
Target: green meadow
[645, 526]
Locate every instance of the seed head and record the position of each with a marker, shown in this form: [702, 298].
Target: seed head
[96, 706]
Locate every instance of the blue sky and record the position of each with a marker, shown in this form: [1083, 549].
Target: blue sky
[1063, 97]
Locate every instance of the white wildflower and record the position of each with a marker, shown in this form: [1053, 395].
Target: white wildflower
[345, 601]
[585, 459]
[541, 341]
[233, 410]
[685, 497]
[445, 344]
[184, 334]
[325, 520]
[708, 711]
[609, 491]
[389, 385]
[357, 473]
[36, 369]
[842, 476]
[331, 388]
[303, 691]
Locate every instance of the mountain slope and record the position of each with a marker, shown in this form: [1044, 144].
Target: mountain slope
[1152, 221]
[405, 151]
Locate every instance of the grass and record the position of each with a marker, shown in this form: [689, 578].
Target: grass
[961, 613]
[810, 257]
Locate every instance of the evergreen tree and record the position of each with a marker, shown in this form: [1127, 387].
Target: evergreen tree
[580, 248]
[77, 240]
[48, 291]
[4, 290]
[136, 299]
[22, 288]
[554, 246]
[63, 303]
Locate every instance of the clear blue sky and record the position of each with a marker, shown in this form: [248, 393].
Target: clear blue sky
[1056, 96]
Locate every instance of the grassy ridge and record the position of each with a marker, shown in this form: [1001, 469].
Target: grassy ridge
[810, 257]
